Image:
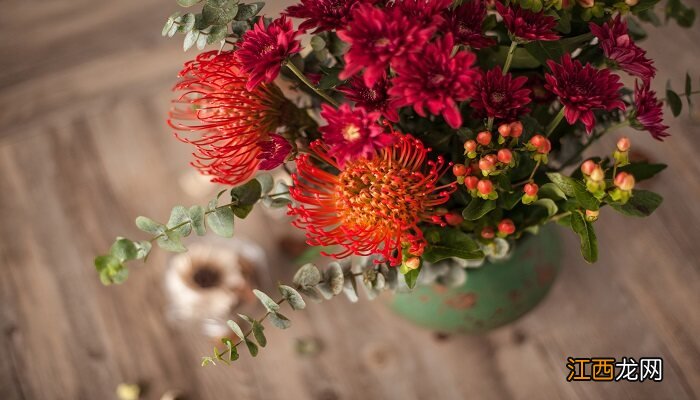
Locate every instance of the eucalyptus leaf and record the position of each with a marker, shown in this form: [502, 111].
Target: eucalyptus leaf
[334, 278]
[196, 214]
[217, 34]
[673, 100]
[688, 88]
[190, 39]
[307, 276]
[252, 347]
[266, 182]
[219, 12]
[258, 333]
[247, 193]
[248, 11]
[124, 249]
[150, 226]
[280, 321]
[232, 350]
[202, 40]
[180, 217]
[293, 297]
[236, 329]
[221, 221]
[269, 304]
[188, 3]
[171, 241]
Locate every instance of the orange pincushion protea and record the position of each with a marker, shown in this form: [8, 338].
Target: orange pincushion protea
[230, 121]
[372, 206]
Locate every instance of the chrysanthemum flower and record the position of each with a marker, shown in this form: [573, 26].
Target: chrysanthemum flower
[273, 151]
[324, 15]
[423, 12]
[648, 113]
[501, 96]
[263, 50]
[527, 25]
[619, 48]
[353, 133]
[375, 98]
[377, 37]
[435, 79]
[581, 89]
[466, 24]
[227, 120]
[372, 206]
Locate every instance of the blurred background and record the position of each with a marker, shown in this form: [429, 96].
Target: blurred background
[84, 149]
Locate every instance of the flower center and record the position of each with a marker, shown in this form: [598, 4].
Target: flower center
[382, 42]
[267, 49]
[497, 97]
[351, 133]
[437, 79]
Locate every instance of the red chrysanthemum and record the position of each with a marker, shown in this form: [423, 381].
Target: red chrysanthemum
[273, 151]
[353, 133]
[501, 96]
[527, 25]
[323, 15]
[423, 12]
[262, 50]
[377, 37]
[375, 98]
[581, 89]
[372, 206]
[229, 121]
[619, 48]
[466, 24]
[436, 80]
[648, 113]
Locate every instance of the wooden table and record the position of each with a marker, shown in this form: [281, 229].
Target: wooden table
[84, 87]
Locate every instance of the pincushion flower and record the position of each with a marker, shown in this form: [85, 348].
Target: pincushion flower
[501, 96]
[377, 37]
[372, 206]
[466, 24]
[526, 25]
[374, 98]
[226, 120]
[435, 80]
[273, 152]
[263, 50]
[619, 48]
[581, 89]
[648, 114]
[323, 15]
[353, 133]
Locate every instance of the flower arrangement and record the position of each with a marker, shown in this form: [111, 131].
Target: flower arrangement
[415, 132]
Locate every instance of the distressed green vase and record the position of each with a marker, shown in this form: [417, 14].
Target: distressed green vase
[493, 295]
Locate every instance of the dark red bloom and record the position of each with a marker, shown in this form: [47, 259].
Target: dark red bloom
[324, 15]
[501, 96]
[377, 37]
[423, 12]
[262, 50]
[619, 48]
[527, 25]
[375, 98]
[435, 80]
[581, 89]
[372, 206]
[353, 133]
[228, 121]
[648, 114]
[466, 24]
[273, 151]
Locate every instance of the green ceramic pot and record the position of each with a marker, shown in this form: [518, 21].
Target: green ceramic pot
[493, 295]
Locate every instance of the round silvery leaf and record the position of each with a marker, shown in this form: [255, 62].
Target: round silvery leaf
[498, 250]
[454, 278]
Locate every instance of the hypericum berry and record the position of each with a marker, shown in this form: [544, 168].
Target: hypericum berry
[586, 3]
[631, 3]
[624, 181]
[541, 144]
[412, 263]
[504, 130]
[454, 219]
[459, 169]
[531, 189]
[470, 146]
[486, 165]
[505, 156]
[471, 182]
[506, 227]
[592, 215]
[484, 138]
[488, 233]
[597, 175]
[516, 129]
[623, 144]
[484, 187]
[588, 166]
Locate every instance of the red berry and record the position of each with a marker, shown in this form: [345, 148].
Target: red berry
[597, 175]
[488, 233]
[412, 263]
[454, 219]
[484, 186]
[504, 130]
[623, 144]
[531, 189]
[624, 181]
[485, 164]
[541, 143]
[516, 129]
[471, 182]
[588, 166]
[459, 170]
[506, 227]
[505, 156]
[470, 145]
[484, 138]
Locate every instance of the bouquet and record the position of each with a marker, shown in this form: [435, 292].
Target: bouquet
[414, 132]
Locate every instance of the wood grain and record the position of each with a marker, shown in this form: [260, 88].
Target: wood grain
[83, 92]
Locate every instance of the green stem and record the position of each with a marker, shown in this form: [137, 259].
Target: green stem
[555, 122]
[181, 224]
[590, 142]
[489, 124]
[308, 83]
[509, 57]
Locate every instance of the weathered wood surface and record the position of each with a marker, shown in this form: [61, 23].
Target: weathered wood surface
[83, 149]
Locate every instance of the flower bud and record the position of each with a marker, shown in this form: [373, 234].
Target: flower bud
[624, 181]
[531, 189]
[484, 187]
[586, 3]
[506, 227]
[486, 165]
[505, 156]
[504, 130]
[592, 215]
[631, 3]
[588, 166]
[623, 144]
[488, 233]
[459, 170]
[471, 182]
[516, 129]
[597, 175]
[470, 146]
[484, 138]
[412, 263]
[454, 219]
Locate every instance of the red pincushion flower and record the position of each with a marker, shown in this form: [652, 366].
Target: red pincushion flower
[501, 96]
[466, 24]
[377, 37]
[273, 152]
[581, 89]
[619, 48]
[263, 50]
[435, 79]
[375, 98]
[353, 133]
[649, 114]
[228, 119]
[324, 15]
[372, 206]
[527, 25]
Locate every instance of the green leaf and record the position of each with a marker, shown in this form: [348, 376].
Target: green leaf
[673, 100]
[450, 242]
[242, 211]
[110, 269]
[239, 28]
[266, 181]
[549, 205]
[258, 333]
[551, 191]
[545, 51]
[150, 226]
[644, 5]
[217, 34]
[232, 350]
[642, 204]
[196, 214]
[307, 276]
[124, 249]
[477, 208]
[510, 199]
[187, 23]
[279, 320]
[188, 3]
[179, 215]
[584, 229]
[688, 88]
[247, 11]
[247, 194]
[574, 188]
[221, 221]
[642, 170]
[411, 277]
[236, 329]
[190, 40]
[171, 241]
[170, 24]
[202, 40]
[317, 43]
[143, 248]
[269, 304]
[564, 183]
[335, 278]
[219, 12]
[293, 297]
[252, 347]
